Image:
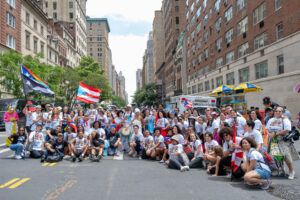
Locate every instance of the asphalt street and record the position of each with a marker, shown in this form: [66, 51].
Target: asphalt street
[122, 179]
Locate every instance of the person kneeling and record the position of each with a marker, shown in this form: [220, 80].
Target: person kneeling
[79, 147]
[55, 149]
[178, 159]
[97, 145]
[136, 141]
[257, 172]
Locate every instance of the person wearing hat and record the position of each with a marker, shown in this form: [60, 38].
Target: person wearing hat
[268, 103]
[178, 159]
[36, 140]
[55, 149]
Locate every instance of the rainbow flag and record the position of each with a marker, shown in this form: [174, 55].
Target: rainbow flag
[32, 83]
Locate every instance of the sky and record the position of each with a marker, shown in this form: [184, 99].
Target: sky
[130, 22]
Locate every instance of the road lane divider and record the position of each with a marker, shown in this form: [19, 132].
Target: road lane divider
[14, 183]
[49, 164]
[2, 145]
[9, 182]
[20, 182]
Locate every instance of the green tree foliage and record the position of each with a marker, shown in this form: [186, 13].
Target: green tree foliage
[118, 101]
[147, 96]
[63, 81]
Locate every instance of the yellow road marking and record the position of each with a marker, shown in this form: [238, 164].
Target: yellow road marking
[45, 164]
[9, 182]
[20, 182]
[52, 164]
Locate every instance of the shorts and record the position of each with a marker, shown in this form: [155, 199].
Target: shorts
[264, 174]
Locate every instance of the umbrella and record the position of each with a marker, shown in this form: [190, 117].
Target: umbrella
[247, 87]
[222, 89]
[297, 88]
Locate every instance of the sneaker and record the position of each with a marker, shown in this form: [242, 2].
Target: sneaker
[266, 184]
[18, 157]
[187, 168]
[42, 159]
[292, 175]
[162, 161]
[80, 159]
[182, 169]
[73, 158]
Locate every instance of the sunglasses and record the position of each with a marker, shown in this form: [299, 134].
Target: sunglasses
[22, 130]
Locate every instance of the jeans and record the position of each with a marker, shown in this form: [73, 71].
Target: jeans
[125, 143]
[18, 148]
[176, 162]
[197, 163]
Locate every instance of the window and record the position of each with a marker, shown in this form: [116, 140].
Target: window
[218, 44]
[200, 87]
[192, 21]
[27, 18]
[99, 38]
[54, 5]
[206, 85]
[35, 24]
[241, 4]
[280, 64]
[260, 41]
[261, 70]
[243, 50]
[42, 48]
[192, 7]
[198, 13]
[229, 57]
[259, 13]
[217, 5]
[10, 41]
[205, 36]
[71, 15]
[35, 44]
[194, 89]
[177, 8]
[42, 30]
[219, 81]
[212, 84]
[10, 20]
[205, 53]
[278, 4]
[242, 26]
[27, 40]
[244, 75]
[230, 78]
[12, 3]
[177, 20]
[70, 4]
[55, 15]
[189, 90]
[218, 24]
[205, 20]
[228, 14]
[219, 62]
[198, 28]
[279, 31]
[229, 36]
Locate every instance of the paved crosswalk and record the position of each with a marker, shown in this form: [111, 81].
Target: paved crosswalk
[14, 183]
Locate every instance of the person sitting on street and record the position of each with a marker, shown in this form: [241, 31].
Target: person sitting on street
[79, 147]
[115, 144]
[36, 140]
[52, 133]
[197, 160]
[257, 172]
[178, 159]
[159, 143]
[96, 146]
[148, 144]
[136, 141]
[55, 149]
[18, 143]
[254, 134]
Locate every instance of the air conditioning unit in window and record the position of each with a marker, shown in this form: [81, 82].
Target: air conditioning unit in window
[228, 44]
[261, 24]
[225, 3]
[244, 34]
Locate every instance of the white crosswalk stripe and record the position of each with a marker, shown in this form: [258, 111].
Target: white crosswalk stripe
[4, 150]
[1, 145]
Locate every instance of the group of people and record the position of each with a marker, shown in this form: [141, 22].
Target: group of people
[212, 141]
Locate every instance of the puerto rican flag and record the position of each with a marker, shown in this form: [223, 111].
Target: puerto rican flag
[88, 94]
[187, 103]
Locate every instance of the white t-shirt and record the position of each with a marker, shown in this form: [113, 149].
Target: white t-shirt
[181, 138]
[258, 125]
[160, 139]
[210, 146]
[255, 135]
[255, 155]
[226, 146]
[138, 136]
[148, 139]
[37, 139]
[216, 124]
[241, 122]
[101, 132]
[195, 145]
[278, 124]
[175, 149]
[79, 143]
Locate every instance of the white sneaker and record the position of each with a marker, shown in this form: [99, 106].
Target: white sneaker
[182, 169]
[292, 175]
[18, 157]
[162, 161]
[187, 168]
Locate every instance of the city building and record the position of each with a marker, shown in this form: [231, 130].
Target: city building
[10, 25]
[174, 23]
[158, 41]
[122, 81]
[34, 31]
[98, 43]
[149, 68]
[231, 42]
[74, 13]
[138, 79]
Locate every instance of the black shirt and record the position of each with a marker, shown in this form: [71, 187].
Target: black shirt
[18, 139]
[59, 146]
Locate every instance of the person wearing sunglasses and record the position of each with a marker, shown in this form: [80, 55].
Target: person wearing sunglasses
[18, 143]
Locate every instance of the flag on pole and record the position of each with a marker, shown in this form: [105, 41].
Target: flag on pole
[32, 83]
[186, 103]
[88, 94]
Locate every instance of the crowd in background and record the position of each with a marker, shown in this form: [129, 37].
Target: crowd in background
[222, 142]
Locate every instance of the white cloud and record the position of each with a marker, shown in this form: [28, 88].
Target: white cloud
[126, 10]
[127, 52]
